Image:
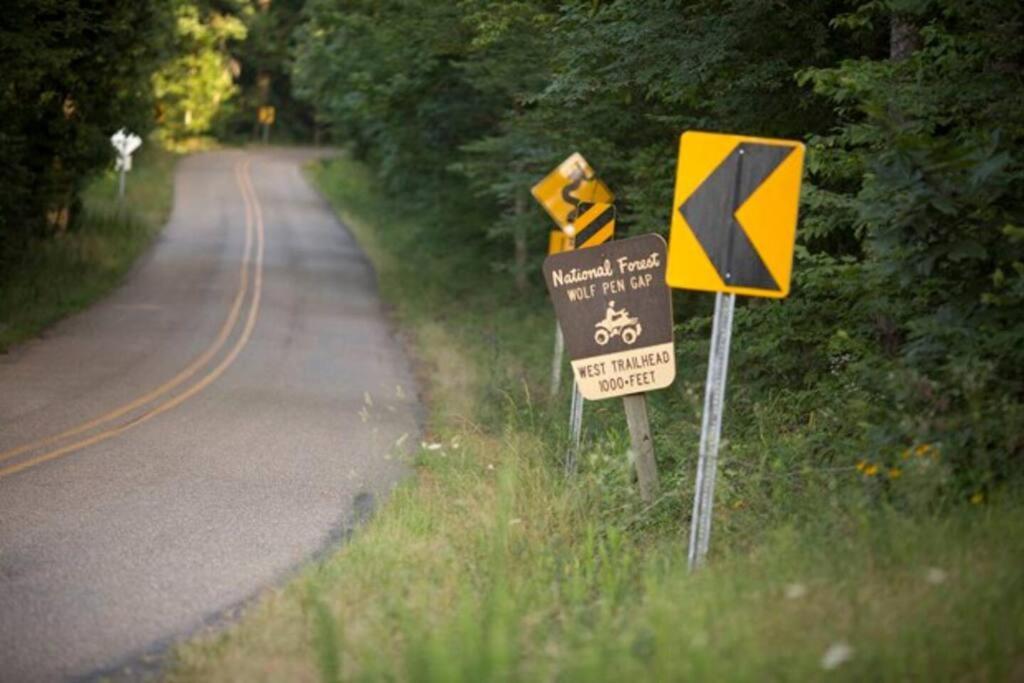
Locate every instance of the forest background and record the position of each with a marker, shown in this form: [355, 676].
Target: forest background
[874, 432]
[910, 260]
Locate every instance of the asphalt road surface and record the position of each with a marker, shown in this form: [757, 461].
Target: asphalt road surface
[224, 415]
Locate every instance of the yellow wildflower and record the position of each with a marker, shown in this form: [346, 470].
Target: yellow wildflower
[925, 449]
[895, 472]
[978, 498]
[871, 470]
[862, 465]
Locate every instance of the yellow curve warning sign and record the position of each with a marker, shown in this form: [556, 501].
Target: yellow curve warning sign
[571, 189]
[556, 242]
[735, 213]
[594, 226]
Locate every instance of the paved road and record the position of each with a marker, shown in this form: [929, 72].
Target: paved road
[224, 415]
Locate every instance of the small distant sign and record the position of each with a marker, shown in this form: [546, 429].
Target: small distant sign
[125, 143]
[267, 115]
[615, 311]
[569, 190]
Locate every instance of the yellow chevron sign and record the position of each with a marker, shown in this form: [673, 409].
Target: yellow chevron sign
[594, 226]
[570, 189]
[266, 115]
[556, 242]
[735, 213]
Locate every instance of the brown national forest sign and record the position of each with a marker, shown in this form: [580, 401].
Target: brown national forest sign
[615, 311]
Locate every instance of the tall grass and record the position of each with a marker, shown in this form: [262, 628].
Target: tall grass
[64, 273]
[492, 566]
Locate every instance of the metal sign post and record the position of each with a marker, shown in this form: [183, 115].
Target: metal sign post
[123, 169]
[733, 232]
[557, 243]
[556, 360]
[576, 408]
[575, 429]
[711, 428]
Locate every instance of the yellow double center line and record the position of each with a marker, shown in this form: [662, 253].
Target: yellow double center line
[159, 399]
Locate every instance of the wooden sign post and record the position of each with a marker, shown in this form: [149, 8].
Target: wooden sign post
[642, 445]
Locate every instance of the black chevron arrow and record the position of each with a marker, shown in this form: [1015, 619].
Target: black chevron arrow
[711, 213]
[588, 231]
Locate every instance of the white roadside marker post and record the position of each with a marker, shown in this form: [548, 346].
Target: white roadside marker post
[711, 428]
[125, 144]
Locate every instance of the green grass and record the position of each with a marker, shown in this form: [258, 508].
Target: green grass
[490, 565]
[67, 272]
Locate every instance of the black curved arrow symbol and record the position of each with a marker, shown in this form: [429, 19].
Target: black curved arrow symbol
[577, 176]
[711, 213]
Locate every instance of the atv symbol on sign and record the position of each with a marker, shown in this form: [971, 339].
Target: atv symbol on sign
[617, 323]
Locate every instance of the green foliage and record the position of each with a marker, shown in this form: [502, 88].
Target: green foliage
[929, 148]
[74, 71]
[194, 85]
[325, 640]
[909, 286]
[388, 77]
[264, 64]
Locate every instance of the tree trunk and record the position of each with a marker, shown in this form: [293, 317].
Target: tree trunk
[904, 37]
[519, 237]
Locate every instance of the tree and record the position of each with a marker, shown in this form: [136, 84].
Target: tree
[508, 63]
[74, 72]
[933, 127]
[909, 285]
[265, 61]
[194, 85]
